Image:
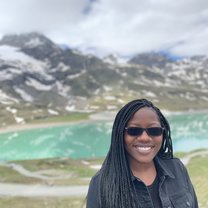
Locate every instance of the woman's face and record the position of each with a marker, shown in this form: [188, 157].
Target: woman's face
[143, 148]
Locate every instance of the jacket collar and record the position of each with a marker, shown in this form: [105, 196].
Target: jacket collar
[162, 169]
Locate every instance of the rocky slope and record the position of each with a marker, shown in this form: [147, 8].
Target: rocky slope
[37, 75]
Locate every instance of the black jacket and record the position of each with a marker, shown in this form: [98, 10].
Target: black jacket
[175, 187]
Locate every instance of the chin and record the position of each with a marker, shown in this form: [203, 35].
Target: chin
[141, 160]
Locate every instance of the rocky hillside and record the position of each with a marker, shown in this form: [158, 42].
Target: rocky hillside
[37, 75]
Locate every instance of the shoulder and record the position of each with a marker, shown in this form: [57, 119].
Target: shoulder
[177, 182]
[95, 180]
[97, 176]
[93, 195]
[171, 163]
[174, 171]
[172, 166]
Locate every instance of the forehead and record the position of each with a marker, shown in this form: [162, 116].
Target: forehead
[145, 113]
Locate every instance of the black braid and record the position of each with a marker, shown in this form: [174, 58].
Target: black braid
[116, 187]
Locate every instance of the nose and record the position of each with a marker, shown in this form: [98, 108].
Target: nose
[144, 136]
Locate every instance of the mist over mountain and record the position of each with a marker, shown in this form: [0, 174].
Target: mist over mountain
[42, 78]
[151, 60]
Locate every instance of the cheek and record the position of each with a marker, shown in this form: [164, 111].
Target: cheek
[158, 140]
[127, 140]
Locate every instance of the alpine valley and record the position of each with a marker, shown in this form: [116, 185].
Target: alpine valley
[41, 79]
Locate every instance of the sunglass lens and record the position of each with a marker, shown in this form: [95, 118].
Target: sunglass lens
[155, 131]
[134, 131]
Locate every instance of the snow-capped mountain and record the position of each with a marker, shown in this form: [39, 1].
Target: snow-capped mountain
[36, 73]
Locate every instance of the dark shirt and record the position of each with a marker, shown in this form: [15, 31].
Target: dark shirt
[175, 188]
[154, 193]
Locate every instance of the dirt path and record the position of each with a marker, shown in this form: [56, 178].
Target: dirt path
[38, 190]
[20, 127]
[188, 157]
[22, 190]
[20, 169]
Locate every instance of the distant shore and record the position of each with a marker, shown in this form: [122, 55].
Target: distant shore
[20, 127]
[102, 116]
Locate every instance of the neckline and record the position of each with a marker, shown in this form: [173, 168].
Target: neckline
[154, 183]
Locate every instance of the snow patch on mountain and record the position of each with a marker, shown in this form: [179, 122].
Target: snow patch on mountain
[17, 59]
[10, 53]
[76, 75]
[13, 55]
[70, 108]
[63, 90]
[25, 96]
[149, 93]
[34, 42]
[6, 76]
[5, 99]
[110, 97]
[60, 68]
[19, 120]
[11, 110]
[37, 85]
[53, 112]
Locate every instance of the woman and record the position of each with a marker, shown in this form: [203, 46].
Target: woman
[139, 170]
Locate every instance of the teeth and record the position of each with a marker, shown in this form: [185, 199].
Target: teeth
[144, 148]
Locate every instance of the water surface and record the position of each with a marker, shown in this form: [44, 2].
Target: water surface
[92, 139]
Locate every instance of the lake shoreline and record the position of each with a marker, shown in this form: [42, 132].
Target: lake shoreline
[22, 127]
[102, 116]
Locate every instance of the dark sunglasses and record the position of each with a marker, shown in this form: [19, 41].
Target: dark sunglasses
[137, 131]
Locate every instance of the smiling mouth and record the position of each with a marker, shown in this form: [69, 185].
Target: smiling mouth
[144, 149]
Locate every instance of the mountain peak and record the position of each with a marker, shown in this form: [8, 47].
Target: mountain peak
[33, 44]
[25, 40]
[151, 59]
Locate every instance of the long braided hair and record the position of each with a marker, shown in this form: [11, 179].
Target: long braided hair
[116, 186]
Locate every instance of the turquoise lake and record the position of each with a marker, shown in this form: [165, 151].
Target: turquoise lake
[92, 139]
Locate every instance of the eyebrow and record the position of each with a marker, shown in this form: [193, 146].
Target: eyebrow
[153, 123]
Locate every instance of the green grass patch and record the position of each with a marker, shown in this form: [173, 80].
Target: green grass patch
[8, 175]
[198, 169]
[73, 172]
[183, 154]
[72, 117]
[78, 167]
[81, 172]
[44, 202]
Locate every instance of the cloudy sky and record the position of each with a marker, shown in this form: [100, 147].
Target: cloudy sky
[113, 26]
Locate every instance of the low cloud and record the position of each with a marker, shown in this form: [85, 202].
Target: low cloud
[119, 26]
